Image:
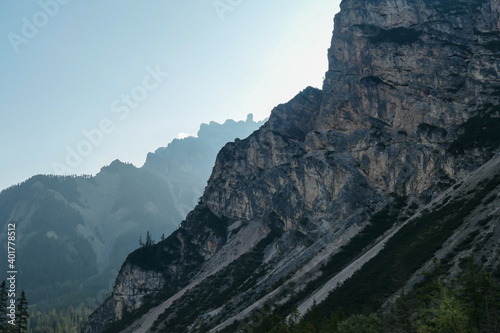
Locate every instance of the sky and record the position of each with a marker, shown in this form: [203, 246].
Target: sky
[83, 83]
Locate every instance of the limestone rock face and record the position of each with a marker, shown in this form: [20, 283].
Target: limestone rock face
[404, 63]
[408, 108]
[132, 286]
[403, 77]
[274, 170]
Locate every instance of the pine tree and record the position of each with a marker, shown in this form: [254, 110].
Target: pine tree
[361, 324]
[278, 325]
[149, 240]
[481, 297]
[22, 313]
[3, 307]
[294, 317]
[450, 314]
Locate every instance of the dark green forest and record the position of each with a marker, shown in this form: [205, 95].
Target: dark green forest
[25, 319]
[469, 303]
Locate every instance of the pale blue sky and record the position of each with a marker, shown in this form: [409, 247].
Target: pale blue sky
[69, 66]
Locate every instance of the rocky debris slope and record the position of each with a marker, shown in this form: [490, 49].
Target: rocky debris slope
[409, 107]
[480, 224]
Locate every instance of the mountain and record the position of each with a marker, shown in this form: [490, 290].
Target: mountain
[74, 232]
[351, 190]
[186, 164]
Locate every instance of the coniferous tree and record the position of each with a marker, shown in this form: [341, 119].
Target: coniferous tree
[149, 240]
[3, 306]
[22, 313]
[361, 324]
[277, 324]
[450, 314]
[481, 297]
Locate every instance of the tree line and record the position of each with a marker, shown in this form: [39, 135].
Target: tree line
[149, 240]
[13, 316]
[68, 320]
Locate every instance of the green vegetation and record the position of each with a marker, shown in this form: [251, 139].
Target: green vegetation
[14, 313]
[22, 314]
[239, 276]
[485, 221]
[478, 132]
[149, 240]
[471, 303]
[380, 222]
[435, 308]
[15, 194]
[57, 263]
[454, 6]
[493, 45]
[467, 242]
[404, 253]
[376, 80]
[56, 254]
[3, 306]
[31, 320]
[399, 36]
[157, 257]
[431, 129]
[69, 320]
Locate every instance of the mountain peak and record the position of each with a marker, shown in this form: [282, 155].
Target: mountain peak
[117, 166]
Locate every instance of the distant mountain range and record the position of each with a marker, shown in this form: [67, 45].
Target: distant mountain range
[73, 233]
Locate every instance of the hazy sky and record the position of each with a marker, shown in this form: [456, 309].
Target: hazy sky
[85, 82]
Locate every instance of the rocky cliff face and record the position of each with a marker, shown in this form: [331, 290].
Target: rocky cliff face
[409, 107]
[404, 77]
[275, 170]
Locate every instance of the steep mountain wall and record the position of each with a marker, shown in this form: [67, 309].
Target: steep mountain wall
[404, 76]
